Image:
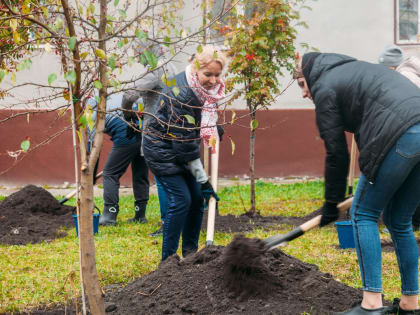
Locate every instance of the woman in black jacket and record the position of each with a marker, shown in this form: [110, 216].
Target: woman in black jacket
[382, 109]
[186, 113]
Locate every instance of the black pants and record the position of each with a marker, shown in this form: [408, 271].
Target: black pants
[116, 165]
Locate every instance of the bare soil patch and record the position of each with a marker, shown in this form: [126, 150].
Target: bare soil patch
[32, 215]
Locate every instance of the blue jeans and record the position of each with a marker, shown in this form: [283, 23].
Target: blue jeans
[163, 200]
[185, 214]
[396, 193]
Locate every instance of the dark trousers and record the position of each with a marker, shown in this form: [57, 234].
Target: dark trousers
[185, 214]
[116, 165]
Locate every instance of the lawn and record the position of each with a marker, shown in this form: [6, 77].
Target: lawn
[48, 273]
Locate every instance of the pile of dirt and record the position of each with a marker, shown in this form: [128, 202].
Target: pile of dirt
[32, 215]
[197, 284]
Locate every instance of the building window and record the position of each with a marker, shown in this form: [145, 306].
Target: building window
[407, 22]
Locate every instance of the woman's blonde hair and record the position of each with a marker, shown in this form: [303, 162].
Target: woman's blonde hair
[208, 54]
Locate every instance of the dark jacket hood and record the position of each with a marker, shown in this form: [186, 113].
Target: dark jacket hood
[320, 64]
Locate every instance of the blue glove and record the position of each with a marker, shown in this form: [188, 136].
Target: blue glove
[208, 191]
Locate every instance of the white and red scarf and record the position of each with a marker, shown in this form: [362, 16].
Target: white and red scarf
[209, 99]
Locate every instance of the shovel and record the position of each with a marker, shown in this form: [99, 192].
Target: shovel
[277, 240]
[71, 194]
[212, 202]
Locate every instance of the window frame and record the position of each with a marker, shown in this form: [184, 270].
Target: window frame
[397, 41]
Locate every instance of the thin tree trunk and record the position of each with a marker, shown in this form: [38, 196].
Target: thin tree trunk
[90, 274]
[252, 163]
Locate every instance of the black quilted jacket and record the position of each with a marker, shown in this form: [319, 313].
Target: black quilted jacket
[168, 149]
[375, 103]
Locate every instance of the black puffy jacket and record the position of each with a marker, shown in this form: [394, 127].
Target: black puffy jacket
[375, 103]
[167, 149]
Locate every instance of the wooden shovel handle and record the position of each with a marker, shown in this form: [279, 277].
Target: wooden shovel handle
[212, 202]
[276, 240]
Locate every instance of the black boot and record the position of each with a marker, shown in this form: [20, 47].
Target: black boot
[109, 215]
[358, 310]
[140, 213]
[399, 311]
[158, 232]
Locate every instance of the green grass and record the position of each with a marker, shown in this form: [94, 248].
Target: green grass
[39, 274]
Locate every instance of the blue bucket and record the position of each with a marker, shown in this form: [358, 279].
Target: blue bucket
[95, 223]
[345, 234]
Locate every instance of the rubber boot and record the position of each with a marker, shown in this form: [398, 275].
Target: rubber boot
[109, 215]
[359, 310]
[140, 213]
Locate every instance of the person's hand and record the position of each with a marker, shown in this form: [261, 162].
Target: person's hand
[221, 132]
[208, 191]
[329, 213]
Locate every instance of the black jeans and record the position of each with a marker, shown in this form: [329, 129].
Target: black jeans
[185, 214]
[116, 165]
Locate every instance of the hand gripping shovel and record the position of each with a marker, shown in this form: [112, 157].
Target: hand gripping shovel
[278, 239]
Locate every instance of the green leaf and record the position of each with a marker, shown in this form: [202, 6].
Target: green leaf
[97, 99]
[91, 8]
[199, 49]
[254, 124]
[120, 44]
[2, 75]
[140, 34]
[51, 78]
[100, 53]
[25, 144]
[83, 121]
[98, 84]
[197, 64]
[111, 63]
[72, 43]
[175, 90]
[28, 63]
[70, 76]
[151, 58]
[58, 23]
[122, 13]
[167, 40]
[116, 2]
[143, 59]
[215, 55]
[190, 119]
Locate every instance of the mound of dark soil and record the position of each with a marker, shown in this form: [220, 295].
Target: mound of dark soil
[197, 285]
[32, 215]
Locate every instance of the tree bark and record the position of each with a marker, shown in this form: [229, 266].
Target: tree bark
[87, 242]
[252, 162]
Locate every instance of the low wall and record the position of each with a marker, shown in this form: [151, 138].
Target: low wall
[287, 144]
